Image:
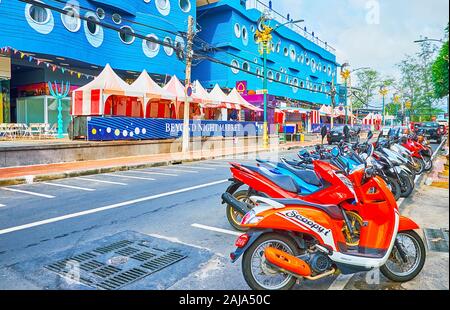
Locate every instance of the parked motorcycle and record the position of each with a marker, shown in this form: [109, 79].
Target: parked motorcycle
[353, 226]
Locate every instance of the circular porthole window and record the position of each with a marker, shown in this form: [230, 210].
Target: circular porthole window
[313, 65]
[278, 76]
[126, 35]
[237, 30]
[235, 66]
[255, 38]
[39, 15]
[255, 60]
[163, 6]
[278, 46]
[116, 18]
[94, 32]
[168, 50]
[258, 72]
[293, 54]
[151, 46]
[329, 70]
[246, 66]
[270, 76]
[39, 18]
[252, 28]
[180, 46]
[100, 13]
[307, 61]
[302, 58]
[302, 84]
[295, 85]
[244, 35]
[286, 51]
[185, 5]
[92, 27]
[71, 19]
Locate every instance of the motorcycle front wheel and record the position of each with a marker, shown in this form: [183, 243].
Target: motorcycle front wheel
[233, 216]
[394, 187]
[407, 185]
[428, 164]
[259, 275]
[406, 263]
[419, 165]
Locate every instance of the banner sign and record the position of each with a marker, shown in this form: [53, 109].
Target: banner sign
[126, 128]
[317, 127]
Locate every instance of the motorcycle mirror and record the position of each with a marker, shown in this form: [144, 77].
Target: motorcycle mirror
[335, 152]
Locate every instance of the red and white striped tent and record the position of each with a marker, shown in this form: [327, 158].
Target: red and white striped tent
[157, 101]
[325, 110]
[235, 97]
[314, 116]
[177, 89]
[221, 97]
[90, 99]
[369, 119]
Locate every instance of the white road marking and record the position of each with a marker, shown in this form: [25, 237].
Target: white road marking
[27, 192]
[109, 207]
[217, 165]
[340, 282]
[224, 231]
[101, 181]
[128, 177]
[177, 170]
[195, 167]
[155, 173]
[70, 186]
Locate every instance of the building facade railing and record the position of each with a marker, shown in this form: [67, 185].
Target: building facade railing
[264, 8]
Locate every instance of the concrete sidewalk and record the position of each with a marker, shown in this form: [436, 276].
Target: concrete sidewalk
[39, 173]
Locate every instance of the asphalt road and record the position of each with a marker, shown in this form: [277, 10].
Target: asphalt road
[173, 208]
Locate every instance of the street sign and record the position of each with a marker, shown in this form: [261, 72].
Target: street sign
[189, 91]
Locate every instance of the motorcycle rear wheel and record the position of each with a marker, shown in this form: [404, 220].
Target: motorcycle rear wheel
[233, 216]
[418, 261]
[253, 263]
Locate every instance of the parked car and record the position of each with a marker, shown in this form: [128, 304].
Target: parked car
[432, 131]
[336, 134]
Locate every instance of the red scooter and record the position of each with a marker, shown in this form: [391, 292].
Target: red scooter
[421, 154]
[352, 224]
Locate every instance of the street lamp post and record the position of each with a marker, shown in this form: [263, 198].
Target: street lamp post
[383, 91]
[264, 35]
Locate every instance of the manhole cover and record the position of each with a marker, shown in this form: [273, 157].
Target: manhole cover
[437, 239]
[116, 265]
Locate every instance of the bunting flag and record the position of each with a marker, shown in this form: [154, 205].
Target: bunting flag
[9, 50]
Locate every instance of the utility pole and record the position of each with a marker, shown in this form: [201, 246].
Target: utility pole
[333, 102]
[189, 56]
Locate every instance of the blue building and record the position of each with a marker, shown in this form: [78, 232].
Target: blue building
[83, 40]
[301, 67]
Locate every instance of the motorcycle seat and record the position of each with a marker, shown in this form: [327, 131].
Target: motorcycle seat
[283, 181]
[308, 176]
[333, 211]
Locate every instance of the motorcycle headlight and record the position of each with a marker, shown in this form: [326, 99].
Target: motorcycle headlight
[348, 184]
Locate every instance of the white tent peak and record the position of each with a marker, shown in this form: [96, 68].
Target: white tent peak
[145, 84]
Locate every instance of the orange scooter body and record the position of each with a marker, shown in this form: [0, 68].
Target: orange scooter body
[376, 205]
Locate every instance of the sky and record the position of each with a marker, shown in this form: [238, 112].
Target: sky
[370, 33]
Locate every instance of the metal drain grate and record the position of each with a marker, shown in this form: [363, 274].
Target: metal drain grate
[116, 265]
[437, 239]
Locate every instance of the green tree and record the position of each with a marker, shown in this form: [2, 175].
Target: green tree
[366, 88]
[440, 71]
[416, 82]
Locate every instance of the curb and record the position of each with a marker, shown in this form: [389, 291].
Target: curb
[78, 173]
